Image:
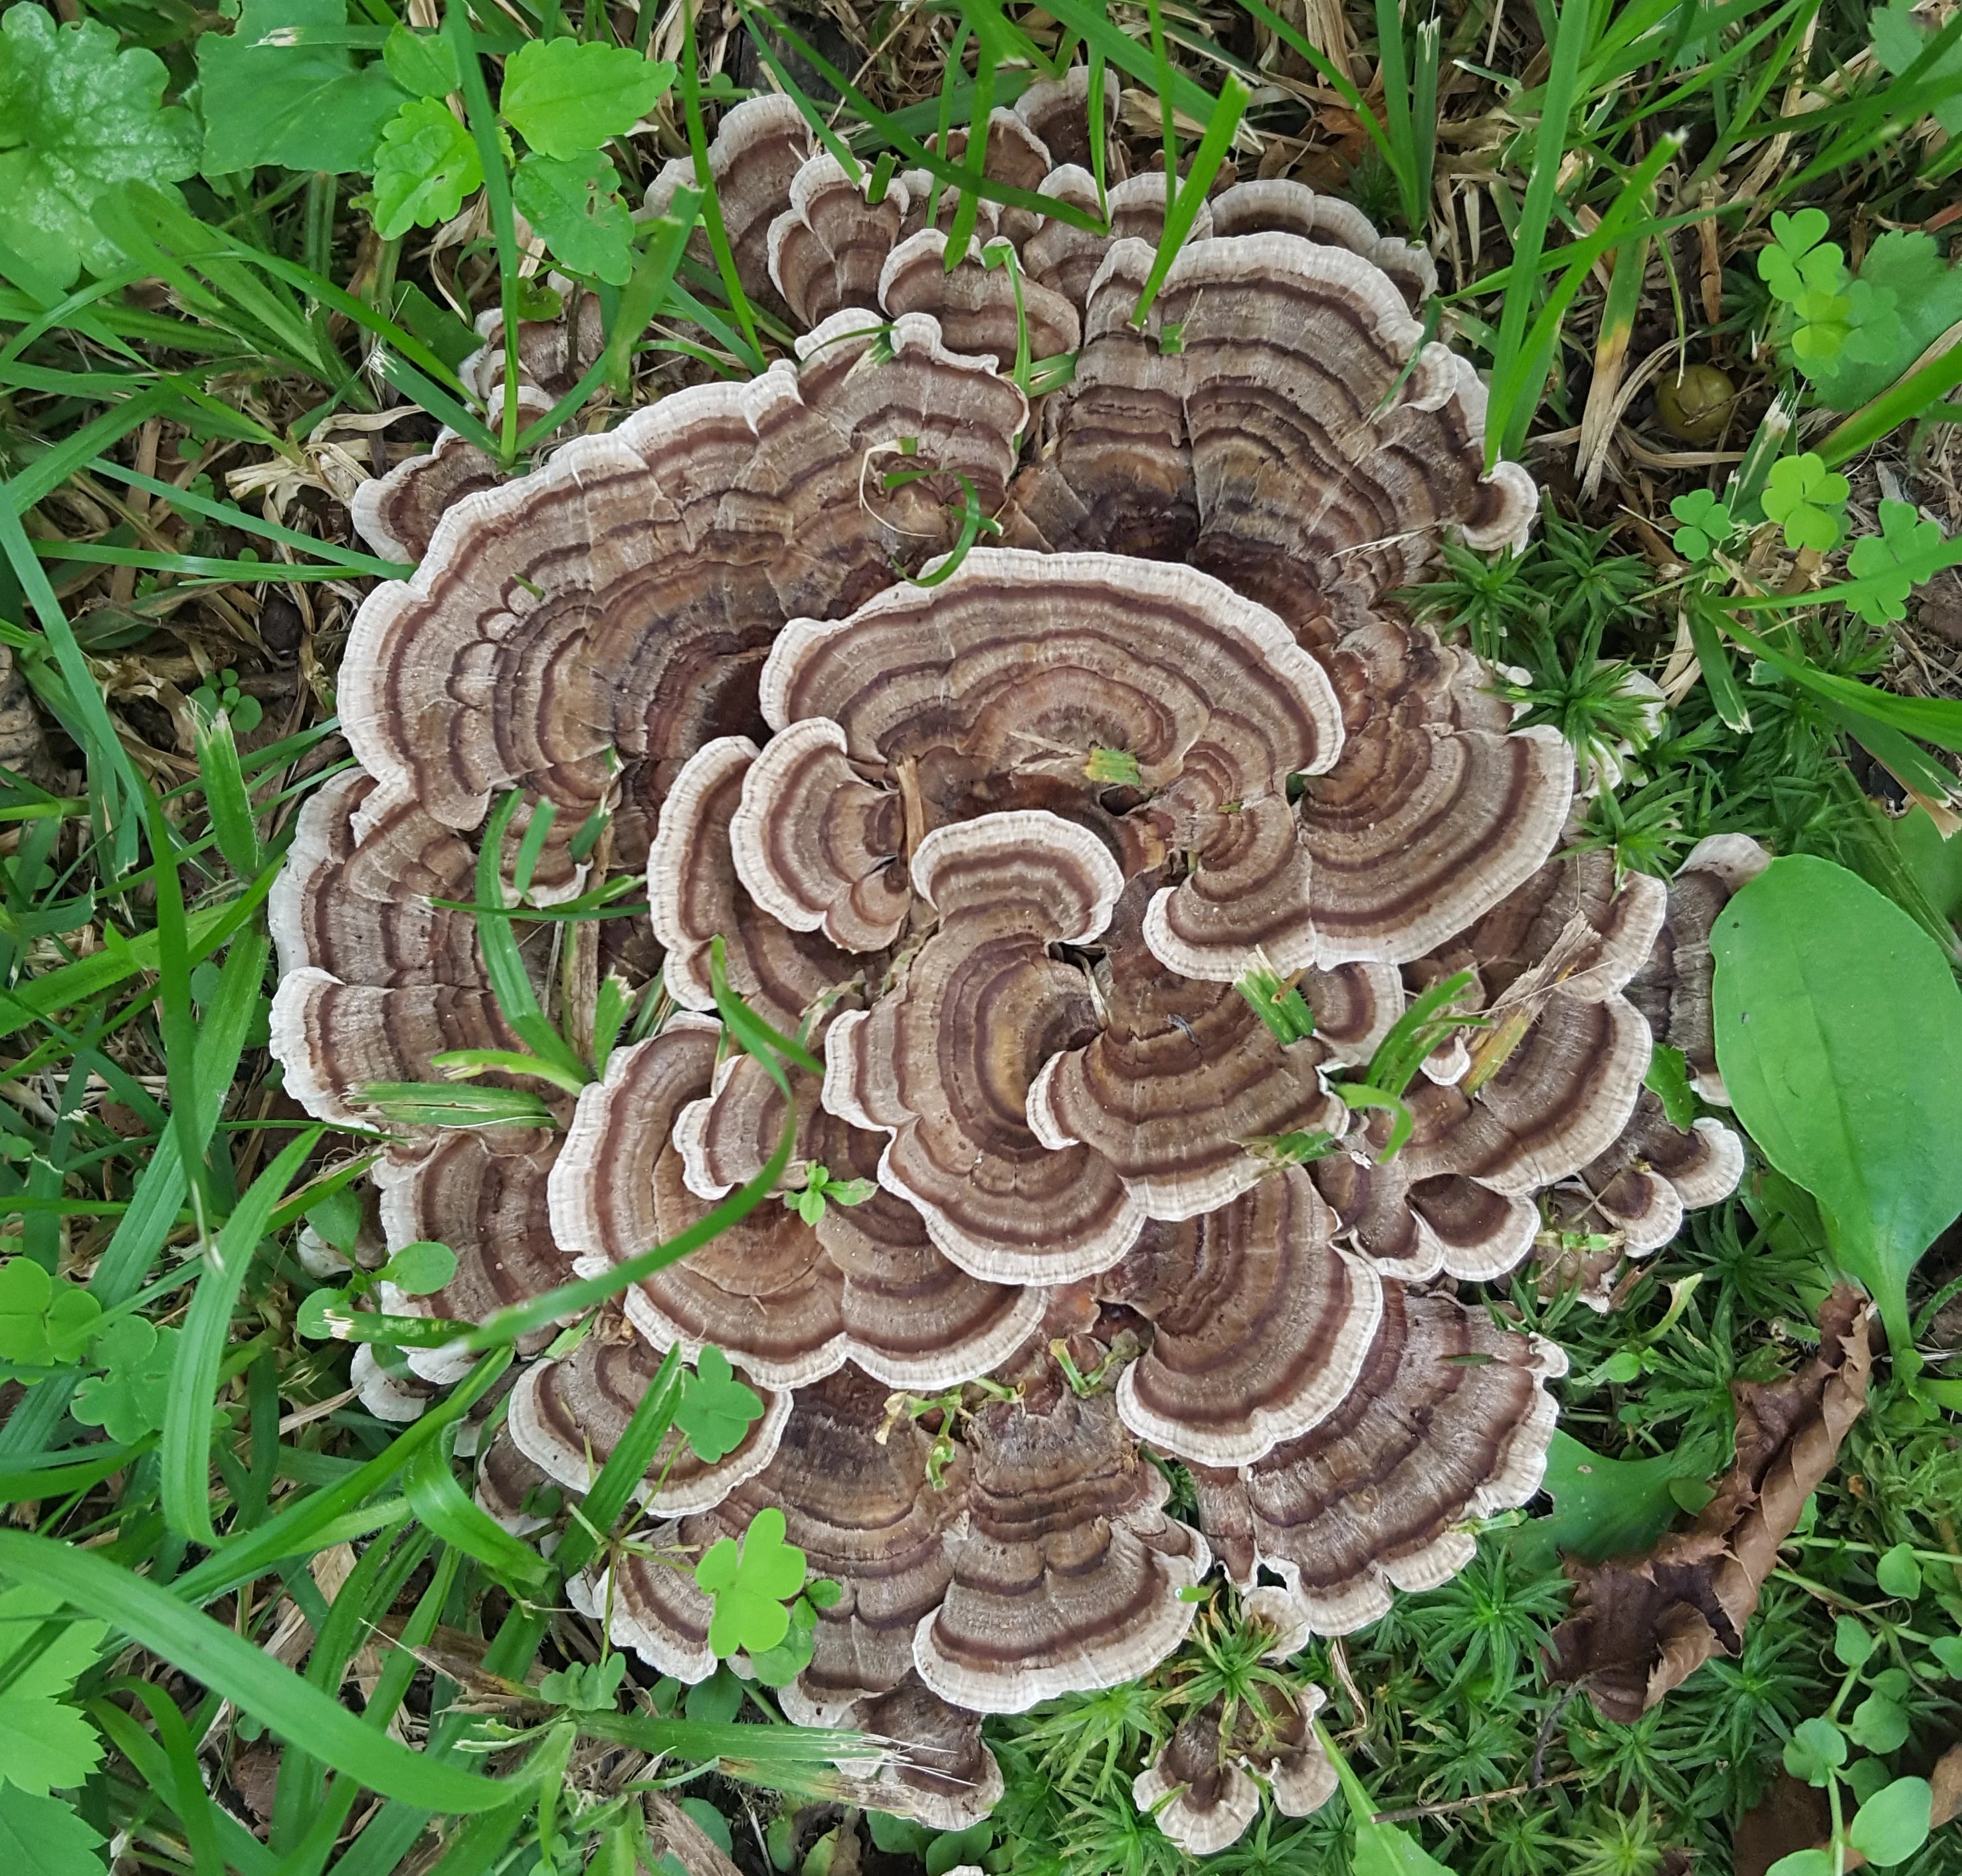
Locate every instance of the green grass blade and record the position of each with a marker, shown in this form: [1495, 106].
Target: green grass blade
[443, 1505]
[1192, 192]
[227, 1664]
[627, 1465]
[192, 1407]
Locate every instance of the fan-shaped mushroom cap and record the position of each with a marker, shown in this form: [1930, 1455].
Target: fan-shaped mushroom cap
[817, 847]
[602, 1188]
[1260, 1325]
[506, 1479]
[865, 1512]
[1320, 470]
[943, 1776]
[484, 1196]
[397, 514]
[943, 1063]
[621, 598]
[974, 303]
[1057, 111]
[827, 248]
[1672, 988]
[695, 896]
[354, 897]
[1182, 1075]
[567, 1416]
[757, 150]
[1412, 1228]
[1653, 1172]
[1069, 1576]
[1212, 1800]
[1280, 206]
[1378, 1493]
[1428, 820]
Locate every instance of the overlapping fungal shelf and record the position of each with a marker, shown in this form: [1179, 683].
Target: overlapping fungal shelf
[1002, 842]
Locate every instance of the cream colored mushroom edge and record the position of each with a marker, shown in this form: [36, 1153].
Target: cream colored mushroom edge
[1002, 836]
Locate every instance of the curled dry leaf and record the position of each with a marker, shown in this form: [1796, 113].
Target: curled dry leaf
[1642, 1625]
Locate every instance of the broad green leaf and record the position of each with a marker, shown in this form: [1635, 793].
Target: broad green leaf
[44, 1835]
[44, 1744]
[1893, 1823]
[130, 1396]
[54, 1671]
[1851, 1643]
[78, 116]
[421, 1269]
[1605, 1507]
[422, 64]
[1838, 1033]
[42, 1321]
[564, 97]
[1375, 1849]
[1936, 863]
[1816, 1750]
[749, 1586]
[304, 107]
[717, 1411]
[1804, 1863]
[1880, 1724]
[575, 204]
[1923, 296]
[1898, 1574]
[1947, 1650]
[426, 164]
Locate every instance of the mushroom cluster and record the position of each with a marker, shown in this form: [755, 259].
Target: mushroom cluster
[1000, 829]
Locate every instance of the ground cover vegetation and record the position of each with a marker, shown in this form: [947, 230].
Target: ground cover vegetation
[1700, 251]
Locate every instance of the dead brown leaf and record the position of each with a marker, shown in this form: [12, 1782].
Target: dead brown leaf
[1642, 1625]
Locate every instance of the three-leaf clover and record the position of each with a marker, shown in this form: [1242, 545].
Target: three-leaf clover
[1800, 260]
[819, 1189]
[1806, 496]
[426, 164]
[42, 1322]
[574, 203]
[565, 96]
[716, 1410]
[77, 117]
[1881, 556]
[750, 1587]
[45, 1743]
[127, 1399]
[1706, 522]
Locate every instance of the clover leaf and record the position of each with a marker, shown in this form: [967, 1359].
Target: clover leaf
[426, 164]
[1806, 497]
[128, 1398]
[1899, 40]
[1800, 260]
[1905, 297]
[575, 204]
[749, 1587]
[42, 1322]
[1881, 556]
[716, 1409]
[1707, 524]
[565, 96]
[779, 1666]
[78, 116]
[303, 107]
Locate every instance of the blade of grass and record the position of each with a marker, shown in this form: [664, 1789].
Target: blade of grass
[153, 1617]
[191, 1408]
[1191, 193]
[443, 1505]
